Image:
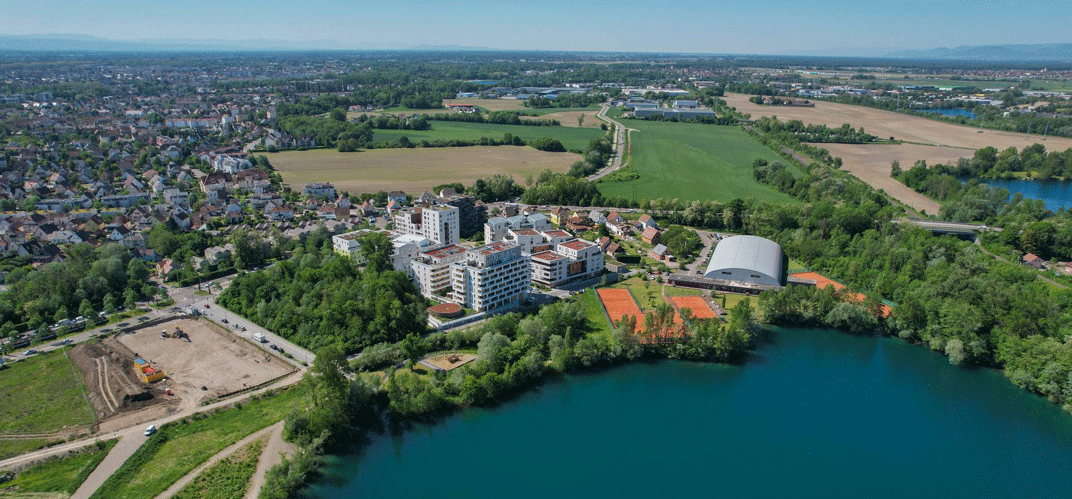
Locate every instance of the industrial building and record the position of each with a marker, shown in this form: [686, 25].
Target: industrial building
[748, 260]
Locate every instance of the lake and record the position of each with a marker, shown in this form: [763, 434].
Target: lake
[951, 112]
[815, 413]
[1056, 193]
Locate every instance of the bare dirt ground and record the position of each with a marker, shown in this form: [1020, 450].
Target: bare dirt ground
[413, 170]
[490, 104]
[934, 141]
[112, 387]
[212, 364]
[569, 118]
[449, 361]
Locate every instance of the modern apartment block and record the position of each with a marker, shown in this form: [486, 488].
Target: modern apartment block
[439, 223]
[491, 277]
[431, 269]
[568, 261]
[496, 227]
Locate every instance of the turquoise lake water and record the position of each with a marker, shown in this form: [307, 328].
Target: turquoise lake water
[1056, 193]
[815, 413]
[951, 112]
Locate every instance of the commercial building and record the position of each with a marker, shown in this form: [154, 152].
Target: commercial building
[439, 223]
[491, 277]
[751, 260]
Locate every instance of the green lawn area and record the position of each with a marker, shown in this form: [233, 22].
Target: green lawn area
[60, 475]
[692, 161]
[227, 479]
[648, 294]
[12, 448]
[571, 137]
[732, 300]
[796, 266]
[675, 291]
[597, 320]
[180, 447]
[43, 394]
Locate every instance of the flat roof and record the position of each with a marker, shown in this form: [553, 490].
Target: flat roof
[493, 248]
[547, 256]
[558, 233]
[445, 251]
[577, 244]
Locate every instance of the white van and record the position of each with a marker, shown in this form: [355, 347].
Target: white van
[150, 430]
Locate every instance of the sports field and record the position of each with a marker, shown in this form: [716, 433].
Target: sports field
[933, 140]
[699, 307]
[570, 137]
[619, 304]
[413, 170]
[692, 161]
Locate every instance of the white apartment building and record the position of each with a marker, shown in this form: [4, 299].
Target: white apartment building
[495, 229]
[569, 261]
[439, 223]
[406, 249]
[348, 244]
[491, 277]
[431, 269]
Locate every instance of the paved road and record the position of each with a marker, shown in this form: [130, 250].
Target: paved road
[619, 145]
[136, 431]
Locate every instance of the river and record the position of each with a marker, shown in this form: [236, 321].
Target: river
[815, 413]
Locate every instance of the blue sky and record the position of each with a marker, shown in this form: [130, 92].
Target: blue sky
[717, 26]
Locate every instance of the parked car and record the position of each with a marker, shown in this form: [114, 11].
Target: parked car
[150, 430]
[223, 321]
[29, 352]
[272, 346]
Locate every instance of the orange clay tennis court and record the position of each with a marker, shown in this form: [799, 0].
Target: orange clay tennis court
[822, 281]
[619, 303]
[699, 307]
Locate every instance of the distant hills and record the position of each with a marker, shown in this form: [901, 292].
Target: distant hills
[1043, 52]
[86, 43]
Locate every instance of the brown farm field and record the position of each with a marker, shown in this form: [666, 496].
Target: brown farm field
[413, 170]
[569, 118]
[490, 104]
[932, 140]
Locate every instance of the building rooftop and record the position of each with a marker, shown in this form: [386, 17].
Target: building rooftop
[577, 244]
[445, 251]
[493, 248]
[547, 256]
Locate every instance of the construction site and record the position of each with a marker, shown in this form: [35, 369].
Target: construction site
[169, 366]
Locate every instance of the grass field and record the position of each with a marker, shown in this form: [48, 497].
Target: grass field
[692, 161]
[42, 395]
[569, 118]
[597, 320]
[648, 294]
[227, 479]
[12, 448]
[413, 170]
[60, 475]
[178, 448]
[571, 137]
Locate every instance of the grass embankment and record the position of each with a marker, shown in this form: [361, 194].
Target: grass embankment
[690, 161]
[570, 137]
[43, 394]
[179, 447]
[227, 479]
[597, 319]
[60, 475]
[12, 448]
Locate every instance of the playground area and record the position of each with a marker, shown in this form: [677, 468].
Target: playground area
[448, 361]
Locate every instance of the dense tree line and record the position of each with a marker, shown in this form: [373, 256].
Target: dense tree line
[495, 117]
[566, 100]
[328, 132]
[547, 144]
[559, 188]
[796, 130]
[319, 298]
[704, 120]
[89, 280]
[388, 122]
[989, 162]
